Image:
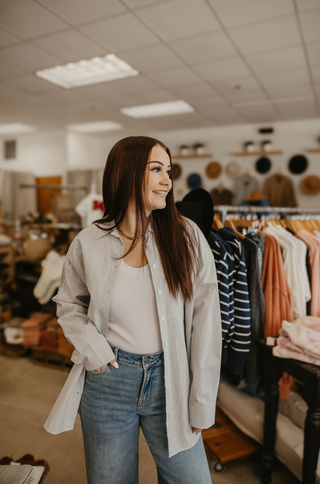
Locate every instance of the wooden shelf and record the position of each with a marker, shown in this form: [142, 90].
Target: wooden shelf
[315, 150]
[258, 153]
[185, 157]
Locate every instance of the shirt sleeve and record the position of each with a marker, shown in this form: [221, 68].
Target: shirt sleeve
[73, 298]
[205, 348]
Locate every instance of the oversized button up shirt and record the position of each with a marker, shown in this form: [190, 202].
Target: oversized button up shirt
[190, 332]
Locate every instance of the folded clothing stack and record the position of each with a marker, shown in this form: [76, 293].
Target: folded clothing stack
[49, 336]
[300, 340]
[64, 347]
[32, 328]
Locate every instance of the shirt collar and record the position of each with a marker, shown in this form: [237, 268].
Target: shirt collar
[106, 225]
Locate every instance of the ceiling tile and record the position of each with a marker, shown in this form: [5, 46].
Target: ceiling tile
[154, 97]
[69, 46]
[30, 84]
[133, 4]
[124, 32]
[284, 92]
[307, 4]
[27, 57]
[210, 103]
[310, 22]
[316, 73]
[213, 46]
[295, 77]
[132, 85]
[250, 11]
[263, 36]
[179, 18]
[7, 39]
[239, 97]
[77, 12]
[7, 70]
[154, 58]
[28, 19]
[233, 85]
[226, 69]
[313, 53]
[181, 76]
[276, 61]
[193, 91]
[293, 105]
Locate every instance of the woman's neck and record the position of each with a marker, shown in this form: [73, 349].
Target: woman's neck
[128, 225]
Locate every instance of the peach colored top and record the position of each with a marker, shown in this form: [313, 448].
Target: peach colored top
[313, 244]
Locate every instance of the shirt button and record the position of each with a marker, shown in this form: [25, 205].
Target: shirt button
[154, 266]
[165, 343]
[159, 292]
[169, 416]
[168, 392]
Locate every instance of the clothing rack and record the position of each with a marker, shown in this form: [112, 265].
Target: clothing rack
[224, 210]
[54, 187]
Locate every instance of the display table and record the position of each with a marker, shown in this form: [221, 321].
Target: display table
[309, 375]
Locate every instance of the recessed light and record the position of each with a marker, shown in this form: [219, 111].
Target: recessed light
[16, 128]
[88, 71]
[95, 127]
[159, 109]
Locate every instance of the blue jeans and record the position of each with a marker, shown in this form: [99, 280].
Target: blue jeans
[114, 403]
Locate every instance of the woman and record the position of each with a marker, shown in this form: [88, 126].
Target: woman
[138, 299]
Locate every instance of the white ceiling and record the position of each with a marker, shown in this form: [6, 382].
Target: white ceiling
[234, 61]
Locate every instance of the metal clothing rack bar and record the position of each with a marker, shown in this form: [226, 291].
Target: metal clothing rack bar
[226, 209]
[55, 187]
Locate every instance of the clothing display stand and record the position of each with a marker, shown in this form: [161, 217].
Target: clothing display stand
[309, 375]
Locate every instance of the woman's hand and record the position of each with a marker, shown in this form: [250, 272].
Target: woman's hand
[196, 430]
[113, 363]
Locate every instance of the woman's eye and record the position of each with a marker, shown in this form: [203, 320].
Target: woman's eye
[169, 173]
[157, 169]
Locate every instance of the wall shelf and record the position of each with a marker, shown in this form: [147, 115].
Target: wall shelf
[185, 157]
[258, 153]
[315, 150]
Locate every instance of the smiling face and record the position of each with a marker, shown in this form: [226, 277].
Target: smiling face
[158, 178]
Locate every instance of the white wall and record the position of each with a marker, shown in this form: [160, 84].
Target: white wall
[52, 154]
[43, 154]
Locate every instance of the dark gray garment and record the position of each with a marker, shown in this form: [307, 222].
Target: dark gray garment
[253, 367]
[243, 186]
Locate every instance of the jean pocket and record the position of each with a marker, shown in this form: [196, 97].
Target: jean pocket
[105, 370]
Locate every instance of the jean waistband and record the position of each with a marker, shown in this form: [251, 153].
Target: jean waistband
[134, 359]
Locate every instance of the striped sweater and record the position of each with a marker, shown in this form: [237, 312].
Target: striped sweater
[237, 340]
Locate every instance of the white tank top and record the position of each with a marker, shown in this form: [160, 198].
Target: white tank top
[133, 317]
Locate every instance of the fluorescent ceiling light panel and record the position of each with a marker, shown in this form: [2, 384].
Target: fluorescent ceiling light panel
[16, 128]
[159, 109]
[85, 72]
[96, 127]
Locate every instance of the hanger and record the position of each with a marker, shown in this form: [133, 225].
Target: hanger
[229, 223]
[246, 173]
[217, 224]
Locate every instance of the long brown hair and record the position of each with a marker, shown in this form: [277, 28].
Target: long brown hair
[124, 174]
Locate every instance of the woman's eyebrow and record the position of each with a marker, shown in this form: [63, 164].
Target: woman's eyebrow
[169, 166]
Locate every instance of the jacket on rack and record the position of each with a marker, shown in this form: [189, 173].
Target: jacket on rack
[243, 186]
[253, 367]
[275, 287]
[279, 191]
[190, 332]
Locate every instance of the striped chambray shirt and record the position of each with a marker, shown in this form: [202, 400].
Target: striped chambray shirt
[190, 333]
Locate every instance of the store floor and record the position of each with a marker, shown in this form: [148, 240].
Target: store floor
[27, 394]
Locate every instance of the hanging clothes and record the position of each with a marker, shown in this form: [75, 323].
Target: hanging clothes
[253, 366]
[279, 191]
[237, 341]
[91, 208]
[294, 257]
[313, 244]
[16, 201]
[243, 186]
[221, 196]
[277, 295]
